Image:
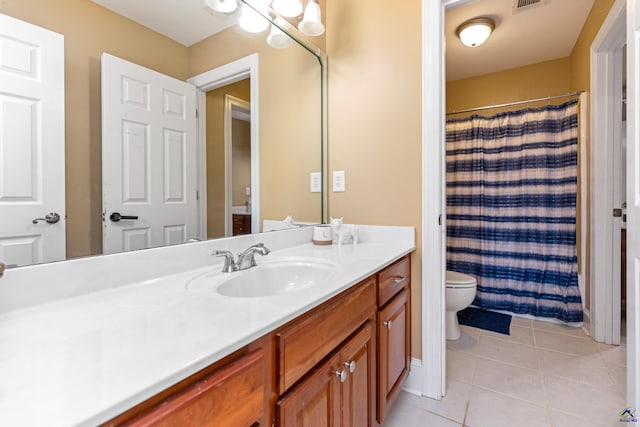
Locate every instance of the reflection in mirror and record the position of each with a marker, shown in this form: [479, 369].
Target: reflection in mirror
[287, 102]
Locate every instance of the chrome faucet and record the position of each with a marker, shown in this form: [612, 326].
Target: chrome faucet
[245, 260]
[229, 263]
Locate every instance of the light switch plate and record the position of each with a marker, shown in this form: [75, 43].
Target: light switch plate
[316, 182]
[338, 182]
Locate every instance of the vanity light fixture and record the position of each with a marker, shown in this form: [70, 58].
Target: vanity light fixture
[475, 31]
[223, 6]
[288, 8]
[311, 23]
[251, 21]
[277, 38]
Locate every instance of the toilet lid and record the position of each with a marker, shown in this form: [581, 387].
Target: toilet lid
[459, 280]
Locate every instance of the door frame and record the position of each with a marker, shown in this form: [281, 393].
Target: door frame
[230, 102]
[604, 278]
[213, 79]
[433, 373]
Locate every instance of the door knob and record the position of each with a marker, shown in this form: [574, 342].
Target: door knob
[50, 218]
[115, 217]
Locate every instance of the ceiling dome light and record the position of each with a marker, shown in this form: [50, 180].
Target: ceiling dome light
[223, 6]
[476, 31]
[252, 21]
[311, 23]
[288, 8]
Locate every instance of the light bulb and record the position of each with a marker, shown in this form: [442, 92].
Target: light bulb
[278, 39]
[252, 21]
[223, 6]
[288, 8]
[311, 23]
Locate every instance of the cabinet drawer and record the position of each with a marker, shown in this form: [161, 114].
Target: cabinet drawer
[306, 342]
[230, 396]
[393, 279]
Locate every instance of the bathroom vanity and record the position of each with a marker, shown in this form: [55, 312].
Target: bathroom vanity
[172, 350]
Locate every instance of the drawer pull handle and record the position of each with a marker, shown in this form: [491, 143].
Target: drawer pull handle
[398, 279]
[351, 365]
[388, 324]
[342, 375]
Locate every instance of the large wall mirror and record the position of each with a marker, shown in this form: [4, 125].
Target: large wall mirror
[259, 133]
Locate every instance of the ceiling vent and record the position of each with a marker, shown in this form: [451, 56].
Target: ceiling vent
[523, 5]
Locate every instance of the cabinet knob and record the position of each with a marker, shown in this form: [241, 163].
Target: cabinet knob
[388, 324]
[351, 365]
[342, 375]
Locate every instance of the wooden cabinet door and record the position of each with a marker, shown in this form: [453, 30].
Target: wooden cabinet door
[315, 402]
[358, 391]
[393, 350]
[231, 396]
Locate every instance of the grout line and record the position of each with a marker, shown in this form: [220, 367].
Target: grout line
[539, 369]
[466, 408]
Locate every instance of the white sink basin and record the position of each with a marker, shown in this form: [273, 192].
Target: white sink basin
[270, 277]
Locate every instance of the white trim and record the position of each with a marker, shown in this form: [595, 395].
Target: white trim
[586, 322]
[584, 194]
[413, 383]
[229, 103]
[605, 297]
[433, 109]
[201, 147]
[213, 79]
[633, 203]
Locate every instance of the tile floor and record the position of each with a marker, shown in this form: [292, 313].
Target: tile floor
[541, 375]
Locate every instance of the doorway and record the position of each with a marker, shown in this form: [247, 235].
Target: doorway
[241, 69]
[228, 166]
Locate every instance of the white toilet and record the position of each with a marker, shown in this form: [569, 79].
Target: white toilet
[460, 292]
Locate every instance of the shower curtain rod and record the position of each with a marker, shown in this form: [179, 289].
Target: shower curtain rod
[508, 104]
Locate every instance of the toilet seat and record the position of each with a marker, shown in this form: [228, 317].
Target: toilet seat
[458, 280]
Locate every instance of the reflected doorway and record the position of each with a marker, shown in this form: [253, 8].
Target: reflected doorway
[228, 165]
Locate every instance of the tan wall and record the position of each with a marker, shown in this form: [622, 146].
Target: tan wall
[375, 119]
[580, 56]
[215, 152]
[88, 31]
[289, 118]
[533, 81]
[241, 160]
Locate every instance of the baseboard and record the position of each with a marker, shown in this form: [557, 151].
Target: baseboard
[413, 383]
[586, 322]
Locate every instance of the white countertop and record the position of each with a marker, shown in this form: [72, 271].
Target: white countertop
[85, 358]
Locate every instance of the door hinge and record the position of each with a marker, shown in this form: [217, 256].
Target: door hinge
[440, 219]
[197, 114]
[617, 212]
[197, 195]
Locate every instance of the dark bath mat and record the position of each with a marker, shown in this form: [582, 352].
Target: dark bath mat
[483, 319]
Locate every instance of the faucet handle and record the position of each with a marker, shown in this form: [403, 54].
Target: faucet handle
[229, 262]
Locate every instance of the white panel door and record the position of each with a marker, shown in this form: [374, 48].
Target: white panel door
[148, 158]
[633, 203]
[31, 143]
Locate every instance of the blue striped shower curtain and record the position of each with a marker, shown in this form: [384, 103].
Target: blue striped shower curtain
[511, 209]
